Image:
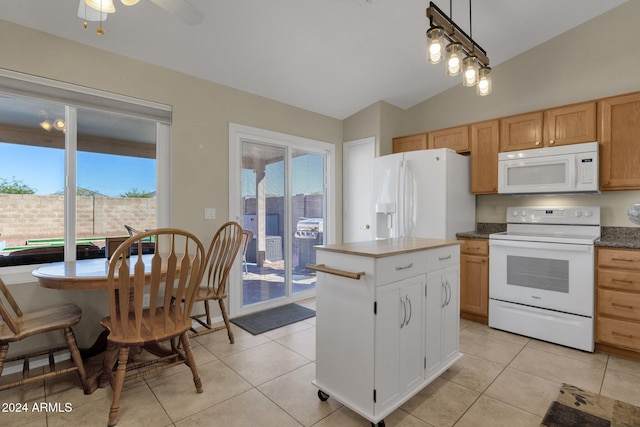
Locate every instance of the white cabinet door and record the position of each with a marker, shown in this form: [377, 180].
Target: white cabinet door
[398, 340]
[451, 315]
[442, 319]
[435, 301]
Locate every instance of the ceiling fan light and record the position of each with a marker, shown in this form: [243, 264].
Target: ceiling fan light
[105, 6]
[59, 124]
[484, 86]
[435, 45]
[46, 125]
[470, 71]
[454, 59]
[129, 2]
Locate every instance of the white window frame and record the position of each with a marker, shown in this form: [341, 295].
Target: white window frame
[74, 96]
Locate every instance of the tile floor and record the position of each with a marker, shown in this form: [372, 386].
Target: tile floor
[265, 380]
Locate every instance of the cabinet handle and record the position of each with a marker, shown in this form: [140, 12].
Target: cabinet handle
[552, 142]
[475, 248]
[537, 142]
[630, 307]
[324, 269]
[444, 288]
[622, 259]
[449, 292]
[618, 334]
[403, 267]
[444, 258]
[410, 310]
[404, 310]
[622, 281]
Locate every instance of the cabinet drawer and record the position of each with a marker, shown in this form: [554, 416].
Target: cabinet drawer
[619, 258]
[625, 280]
[619, 304]
[475, 247]
[446, 256]
[398, 267]
[618, 332]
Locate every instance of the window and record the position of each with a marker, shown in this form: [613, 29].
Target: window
[76, 173]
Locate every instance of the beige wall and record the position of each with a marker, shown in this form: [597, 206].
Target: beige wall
[597, 59]
[202, 112]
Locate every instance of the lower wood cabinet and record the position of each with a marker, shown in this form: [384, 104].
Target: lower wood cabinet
[618, 301]
[474, 280]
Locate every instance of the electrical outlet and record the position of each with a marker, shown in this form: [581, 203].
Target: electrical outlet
[209, 213]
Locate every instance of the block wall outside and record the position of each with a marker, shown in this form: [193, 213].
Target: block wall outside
[27, 216]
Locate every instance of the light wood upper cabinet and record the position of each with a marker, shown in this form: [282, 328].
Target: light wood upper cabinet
[456, 138]
[521, 132]
[410, 143]
[484, 157]
[619, 134]
[571, 124]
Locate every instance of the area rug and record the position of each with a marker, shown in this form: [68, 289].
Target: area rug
[575, 407]
[274, 318]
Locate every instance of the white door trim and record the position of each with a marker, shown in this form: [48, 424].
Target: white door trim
[239, 133]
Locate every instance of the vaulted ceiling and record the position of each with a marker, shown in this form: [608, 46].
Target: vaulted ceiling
[333, 57]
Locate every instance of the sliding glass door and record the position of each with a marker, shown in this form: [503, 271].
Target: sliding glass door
[281, 199]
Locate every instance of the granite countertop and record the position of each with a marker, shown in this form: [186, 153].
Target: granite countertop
[619, 237]
[610, 237]
[483, 229]
[387, 247]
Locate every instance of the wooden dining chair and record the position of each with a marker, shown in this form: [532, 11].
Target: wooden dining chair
[175, 269]
[18, 326]
[220, 257]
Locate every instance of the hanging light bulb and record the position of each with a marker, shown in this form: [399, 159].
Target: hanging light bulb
[435, 45]
[470, 71]
[46, 125]
[129, 2]
[483, 87]
[105, 6]
[454, 60]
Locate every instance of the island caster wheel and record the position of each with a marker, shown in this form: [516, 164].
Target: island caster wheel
[322, 395]
[380, 424]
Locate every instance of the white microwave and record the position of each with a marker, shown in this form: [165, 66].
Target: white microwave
[564, 169]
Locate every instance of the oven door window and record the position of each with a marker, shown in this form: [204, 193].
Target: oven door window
[538, 273]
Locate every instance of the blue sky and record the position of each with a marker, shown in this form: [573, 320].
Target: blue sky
[43, 170]
[307, 177]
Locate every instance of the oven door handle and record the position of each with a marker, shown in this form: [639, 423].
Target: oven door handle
[564, 247]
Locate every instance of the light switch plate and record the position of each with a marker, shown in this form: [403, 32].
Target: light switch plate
[209, 213]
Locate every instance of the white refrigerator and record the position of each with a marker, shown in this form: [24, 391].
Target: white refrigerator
[423, 193]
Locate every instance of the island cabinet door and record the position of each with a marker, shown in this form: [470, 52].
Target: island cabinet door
[434, 304]
[442, 319]
[399, 355]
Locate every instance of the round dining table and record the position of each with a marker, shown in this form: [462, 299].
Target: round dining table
[80, 275]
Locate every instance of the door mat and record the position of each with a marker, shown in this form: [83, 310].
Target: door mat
[575, 407]
[274, 318]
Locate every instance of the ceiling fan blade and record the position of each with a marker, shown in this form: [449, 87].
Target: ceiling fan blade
[182, 9]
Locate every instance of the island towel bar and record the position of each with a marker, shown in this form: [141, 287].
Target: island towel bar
[324, 269]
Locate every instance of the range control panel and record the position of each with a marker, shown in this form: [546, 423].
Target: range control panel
[570, 215]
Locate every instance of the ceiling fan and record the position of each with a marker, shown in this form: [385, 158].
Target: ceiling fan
[98, 10]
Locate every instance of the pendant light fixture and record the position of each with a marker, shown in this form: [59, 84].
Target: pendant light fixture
[463, 54]
[435, 45]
